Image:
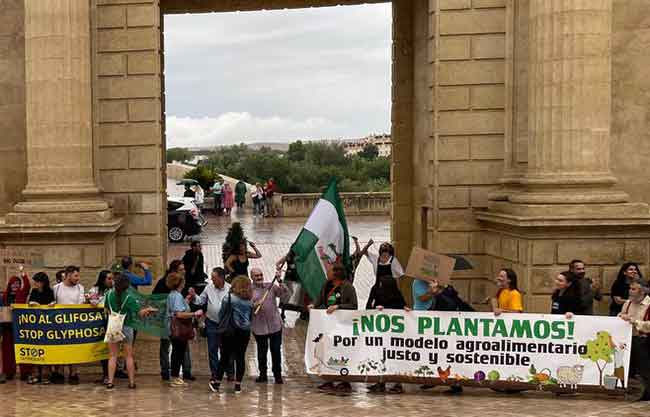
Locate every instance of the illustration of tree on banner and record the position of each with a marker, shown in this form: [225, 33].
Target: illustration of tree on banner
[600, 350]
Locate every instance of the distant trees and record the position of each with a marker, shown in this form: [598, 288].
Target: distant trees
[370, 151]
[178, 154]
[304, 168]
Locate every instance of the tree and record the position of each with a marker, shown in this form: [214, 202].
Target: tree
[296, 151]
[203, 174]
[370, 151]
[178, 154]
[600, 350]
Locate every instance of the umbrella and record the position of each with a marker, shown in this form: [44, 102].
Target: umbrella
[187, 182]
[462, 264]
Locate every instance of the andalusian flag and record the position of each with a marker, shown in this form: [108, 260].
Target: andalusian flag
[323, 241]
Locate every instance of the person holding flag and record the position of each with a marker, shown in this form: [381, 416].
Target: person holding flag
[322, 256]
[323, 242]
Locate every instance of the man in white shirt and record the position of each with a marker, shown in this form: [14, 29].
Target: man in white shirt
[70, 291]
[212, 296]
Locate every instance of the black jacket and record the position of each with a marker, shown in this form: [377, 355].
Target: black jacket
[620, 288]
[385, 293]
[570, 301]
[449, 300]
[42, 297]
[198, 277]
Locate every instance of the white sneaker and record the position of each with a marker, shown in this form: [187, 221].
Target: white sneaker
[178, 382]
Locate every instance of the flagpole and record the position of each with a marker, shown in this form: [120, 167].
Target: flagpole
[266, 294]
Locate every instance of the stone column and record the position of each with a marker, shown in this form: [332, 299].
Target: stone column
[569, 104]
[60, 175]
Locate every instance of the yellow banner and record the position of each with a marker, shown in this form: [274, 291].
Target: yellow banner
[60, 335]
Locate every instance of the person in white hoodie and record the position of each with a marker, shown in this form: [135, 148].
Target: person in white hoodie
[212, 296]
[70, 291]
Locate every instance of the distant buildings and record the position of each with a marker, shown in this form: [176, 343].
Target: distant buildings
[383, 143]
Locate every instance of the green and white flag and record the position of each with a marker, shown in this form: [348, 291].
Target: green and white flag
[323, 241]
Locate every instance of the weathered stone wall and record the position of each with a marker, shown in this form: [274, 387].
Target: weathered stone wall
[356, 204]
[630, 133]
[129, 123]
[462, 156]
[12, 103]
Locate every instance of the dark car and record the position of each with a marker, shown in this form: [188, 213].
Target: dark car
[181, 221]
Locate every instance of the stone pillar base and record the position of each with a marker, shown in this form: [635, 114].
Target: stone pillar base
[89, 246]
[550, 214]
[538, 247]
[63, 211]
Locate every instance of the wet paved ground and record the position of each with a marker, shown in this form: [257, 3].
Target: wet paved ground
[296, 398]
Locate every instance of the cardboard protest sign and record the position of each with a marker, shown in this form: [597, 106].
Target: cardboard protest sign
[430, 266]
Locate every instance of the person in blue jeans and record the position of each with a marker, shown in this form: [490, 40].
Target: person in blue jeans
[176, 266]
[235, 343]
[212, 297]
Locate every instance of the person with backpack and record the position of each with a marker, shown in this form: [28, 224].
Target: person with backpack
[123, 310]
[235, 330]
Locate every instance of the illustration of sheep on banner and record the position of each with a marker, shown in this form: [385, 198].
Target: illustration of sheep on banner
[570, 376]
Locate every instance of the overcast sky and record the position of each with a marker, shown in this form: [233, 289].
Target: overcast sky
[277, 76]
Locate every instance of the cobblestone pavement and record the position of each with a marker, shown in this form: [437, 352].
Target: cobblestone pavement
[296, 398]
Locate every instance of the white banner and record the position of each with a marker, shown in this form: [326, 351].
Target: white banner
[525, 350]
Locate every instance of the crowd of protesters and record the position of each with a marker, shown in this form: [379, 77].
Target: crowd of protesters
[236, 302]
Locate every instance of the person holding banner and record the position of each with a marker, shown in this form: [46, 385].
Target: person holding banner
[337, 293]
[636, 311]
[96, 296]
[508, 298]
[266, 324]
[440, 297]
[69, 291]
[567, 297]
[17, 292]
[41, 294]
[385, 294]
[119, 301]
[384, 263]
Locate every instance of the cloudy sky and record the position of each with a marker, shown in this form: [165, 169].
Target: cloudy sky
[277, 76]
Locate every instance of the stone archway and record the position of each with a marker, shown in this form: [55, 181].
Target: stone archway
[129, 85]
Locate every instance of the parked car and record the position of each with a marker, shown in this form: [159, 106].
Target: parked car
[183, 218]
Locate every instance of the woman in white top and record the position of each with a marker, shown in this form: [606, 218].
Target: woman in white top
[385, 263]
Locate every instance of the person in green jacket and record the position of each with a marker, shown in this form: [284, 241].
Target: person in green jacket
[118, 300]
[240, 194]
